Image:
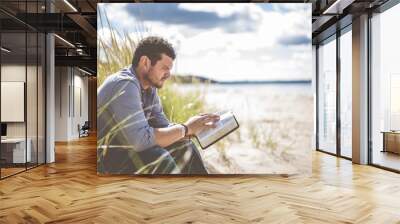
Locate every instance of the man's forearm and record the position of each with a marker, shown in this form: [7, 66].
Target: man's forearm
[168, 135]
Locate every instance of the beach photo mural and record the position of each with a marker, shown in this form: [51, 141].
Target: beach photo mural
[201, 89]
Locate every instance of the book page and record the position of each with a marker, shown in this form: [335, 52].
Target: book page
[226, 123]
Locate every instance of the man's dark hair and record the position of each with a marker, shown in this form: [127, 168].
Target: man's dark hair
[152, 47]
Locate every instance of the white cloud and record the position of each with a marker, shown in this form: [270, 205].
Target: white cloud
[223, 9]
[117, 15]
[253, 54]
[287, 7]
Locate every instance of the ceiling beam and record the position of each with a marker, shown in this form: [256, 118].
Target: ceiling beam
[337, 7]
[320, 22]
[81, 61]
[84, 24]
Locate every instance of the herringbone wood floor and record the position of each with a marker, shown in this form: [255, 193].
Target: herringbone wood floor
[70, 191]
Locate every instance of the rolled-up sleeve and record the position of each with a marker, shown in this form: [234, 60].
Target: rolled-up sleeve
[127, 112]
[158, 118]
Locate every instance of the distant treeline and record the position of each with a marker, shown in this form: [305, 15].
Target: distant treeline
[191, 79]
[188, 79]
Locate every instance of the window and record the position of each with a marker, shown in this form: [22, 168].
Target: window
[395, 102]
[385, 89]
[327, 96]
[22, 77]
[346, 93]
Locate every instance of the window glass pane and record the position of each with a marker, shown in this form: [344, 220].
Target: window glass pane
[22, 87]
[346, 94]
[41, 98]
[31, 97]
[32, 86]
[327, 96]
[13, 85]
[386, 89]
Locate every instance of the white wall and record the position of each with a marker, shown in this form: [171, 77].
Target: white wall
[33, 126]
[61, 103]
[79, 110]
[12, 99]
[70, 84]
[16, 73]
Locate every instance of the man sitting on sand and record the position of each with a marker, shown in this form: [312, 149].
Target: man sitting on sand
[134, 135]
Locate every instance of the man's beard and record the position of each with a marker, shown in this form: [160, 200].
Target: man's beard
[153, 83]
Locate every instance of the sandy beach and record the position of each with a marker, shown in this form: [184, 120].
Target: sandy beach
[276, 125]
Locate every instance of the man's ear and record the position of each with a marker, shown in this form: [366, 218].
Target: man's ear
[146, 62]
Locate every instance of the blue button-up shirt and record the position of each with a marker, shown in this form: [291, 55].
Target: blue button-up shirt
[126, 113]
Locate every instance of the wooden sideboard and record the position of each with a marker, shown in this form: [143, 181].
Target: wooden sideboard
[13, 151]
[391, 141]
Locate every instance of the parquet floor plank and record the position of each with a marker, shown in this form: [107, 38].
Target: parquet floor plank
[70, 191]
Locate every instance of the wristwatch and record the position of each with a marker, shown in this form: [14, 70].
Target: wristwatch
[186, 130]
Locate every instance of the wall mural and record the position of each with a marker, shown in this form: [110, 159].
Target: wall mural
[204, 88]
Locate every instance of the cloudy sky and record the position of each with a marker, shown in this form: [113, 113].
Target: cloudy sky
[224, 41]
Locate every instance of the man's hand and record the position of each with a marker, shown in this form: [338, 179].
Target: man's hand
[168, 135]
[198, 123]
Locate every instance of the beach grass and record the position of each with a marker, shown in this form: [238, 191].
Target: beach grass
[115, 53]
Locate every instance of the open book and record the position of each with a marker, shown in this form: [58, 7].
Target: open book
[224, 126]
